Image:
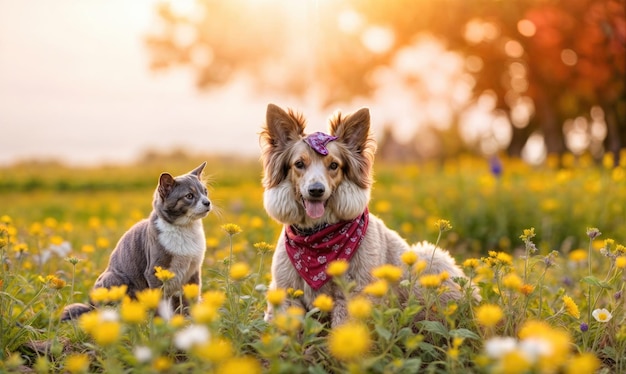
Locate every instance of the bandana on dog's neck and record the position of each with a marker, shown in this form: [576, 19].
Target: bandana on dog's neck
[311, 254]
[318, 141]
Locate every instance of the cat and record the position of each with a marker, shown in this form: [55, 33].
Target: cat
[172, 238]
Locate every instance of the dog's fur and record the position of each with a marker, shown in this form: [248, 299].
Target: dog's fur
[291, 167]
[172, 237]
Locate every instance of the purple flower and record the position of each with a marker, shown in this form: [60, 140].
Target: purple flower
[495, 166]
[618, 295]
[584, 327]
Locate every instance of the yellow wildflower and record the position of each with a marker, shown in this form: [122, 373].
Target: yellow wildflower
[107, 333]
[231, 229]
[277, 296]
[204, 312]
[578, 255]
[349, 342]
[570, 307]
[388, 272]
[77, 363]
[489, 315]
[162, 364]
[263, 247]
[239, 270]
[132, 311]
[117, 293]
[238, 365]
[420, 266]
[215, 350]
[409, 258]
[191, 291]
[89, 321]
[504, 258]
[512, 281]
[378, 288]
[150, 297]
[585, 363]
[513, 362]
[87, 248]
[103, 243]
[177, 321]
[527, 289]
[295, 293]
[443, 225]
[555, 347]
[359, 307]
[620, 262]
[289, 320]
[337, 268]
[471, 263]
[430, 280]
[163, 274]
[323, 302]
[214, 298]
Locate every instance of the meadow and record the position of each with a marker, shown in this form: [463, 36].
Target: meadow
[543, 245]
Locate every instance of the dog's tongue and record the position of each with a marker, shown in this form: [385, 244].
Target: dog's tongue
[314, 209]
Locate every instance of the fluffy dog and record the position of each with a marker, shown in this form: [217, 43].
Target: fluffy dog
[171, 238]
[318, 186]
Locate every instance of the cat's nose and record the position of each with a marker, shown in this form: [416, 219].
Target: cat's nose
[206, 203]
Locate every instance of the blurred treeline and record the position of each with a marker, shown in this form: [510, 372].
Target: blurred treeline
[551, 73]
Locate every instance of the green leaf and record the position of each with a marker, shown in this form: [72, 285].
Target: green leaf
[412, 365]
[434, 327]
[383, 332]
[464, 333]
[596, 282]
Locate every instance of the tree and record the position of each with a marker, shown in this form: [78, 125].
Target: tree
[545, 62]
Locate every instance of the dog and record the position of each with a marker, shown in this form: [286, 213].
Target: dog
[172, 237]
[318, 187]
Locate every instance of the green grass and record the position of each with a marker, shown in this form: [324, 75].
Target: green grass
[86, 210]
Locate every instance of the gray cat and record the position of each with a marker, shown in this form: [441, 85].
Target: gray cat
[172, 237]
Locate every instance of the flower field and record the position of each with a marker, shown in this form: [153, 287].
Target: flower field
[544, 246]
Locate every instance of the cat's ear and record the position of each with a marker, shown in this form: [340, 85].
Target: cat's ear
[198, 171]
[166, 185]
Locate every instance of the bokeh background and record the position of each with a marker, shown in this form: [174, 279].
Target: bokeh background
[89, 82]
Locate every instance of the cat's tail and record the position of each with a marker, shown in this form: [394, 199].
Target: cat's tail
[73, 311]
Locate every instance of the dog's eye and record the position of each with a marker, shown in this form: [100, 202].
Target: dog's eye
[333, 166]
[299, 164]
[189, 196]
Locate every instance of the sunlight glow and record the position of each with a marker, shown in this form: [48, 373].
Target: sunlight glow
[513, 49]
[526, 27]
[378, 39]
[182, 7]
[569, 57]
[350, 21]
[534, 151]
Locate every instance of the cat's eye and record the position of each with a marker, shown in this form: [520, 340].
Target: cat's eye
[299, 164]
[189, 196]
[333, 165]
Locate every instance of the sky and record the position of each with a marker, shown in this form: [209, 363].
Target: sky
[75, 86]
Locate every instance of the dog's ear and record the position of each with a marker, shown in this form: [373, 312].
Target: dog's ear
[354, 132]
[166, 185]
[282, 127]
[198, 171]
[281, 130]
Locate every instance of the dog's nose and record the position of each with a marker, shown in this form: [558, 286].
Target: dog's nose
[316, 189]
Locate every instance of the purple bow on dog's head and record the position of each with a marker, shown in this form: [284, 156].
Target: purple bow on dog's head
[318, 141]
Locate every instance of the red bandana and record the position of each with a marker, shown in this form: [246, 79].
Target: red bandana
[311, 254]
